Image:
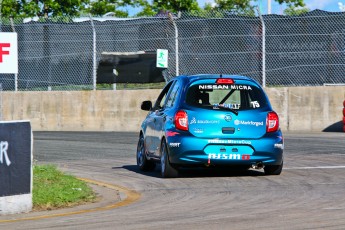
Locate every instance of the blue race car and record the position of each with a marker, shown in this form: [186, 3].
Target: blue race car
[210, 120]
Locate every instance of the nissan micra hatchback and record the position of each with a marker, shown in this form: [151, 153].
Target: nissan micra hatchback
[210, 120]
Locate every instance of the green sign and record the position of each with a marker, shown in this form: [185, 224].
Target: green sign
[162, 58]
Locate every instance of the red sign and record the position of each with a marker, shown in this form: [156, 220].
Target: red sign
[4, 52]
[8, 53]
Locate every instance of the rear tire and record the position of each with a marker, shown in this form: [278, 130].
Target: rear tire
[143, 163]
[167, 171]
[273, 169]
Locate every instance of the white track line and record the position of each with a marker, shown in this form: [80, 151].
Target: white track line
[316, 167]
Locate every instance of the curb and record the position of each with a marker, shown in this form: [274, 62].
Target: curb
[127, 196]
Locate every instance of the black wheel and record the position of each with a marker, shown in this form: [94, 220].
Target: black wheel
[167, 171]
[143, 163]
[273, 169]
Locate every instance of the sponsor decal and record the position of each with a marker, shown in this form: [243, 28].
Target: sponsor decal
[195, 121]
[216, 141]
[172, 133]
[279, 146]
[280, 138]
[174, 144]
[198, 130]
[228, 117]
[224, 156]
[255, 104]
[3, 153]
[252, 123]
[229, 106]
[239, 87]
[245, 157]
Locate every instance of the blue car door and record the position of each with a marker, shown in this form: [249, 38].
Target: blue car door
[154, 120]
[165, 114]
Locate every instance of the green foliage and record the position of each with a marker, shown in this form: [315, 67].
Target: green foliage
[239, 7]
[10, 8]
[294, 3]
[48, 8]
[175, 5]
[101, 7]
[146, 11]
[54, 189]
[29, 8]
[246, 7]
[295, 11]
[232, 4]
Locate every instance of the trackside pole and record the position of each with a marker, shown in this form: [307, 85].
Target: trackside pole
[94, 53]
[263, 49]
[15, 75]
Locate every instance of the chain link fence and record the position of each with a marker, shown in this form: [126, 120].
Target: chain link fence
[308, 50]
[63, 53]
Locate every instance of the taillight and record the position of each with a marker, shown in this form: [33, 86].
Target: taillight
[181, 120]
[272, 122]
[225, 81]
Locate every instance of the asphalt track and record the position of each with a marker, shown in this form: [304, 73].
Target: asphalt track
[309, 194]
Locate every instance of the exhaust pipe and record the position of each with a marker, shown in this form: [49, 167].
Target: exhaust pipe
[258, 165]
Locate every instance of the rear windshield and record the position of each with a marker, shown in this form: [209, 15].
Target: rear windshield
[237, 97]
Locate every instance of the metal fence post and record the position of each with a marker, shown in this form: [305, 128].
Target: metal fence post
[263, 51]
[0, 101]
[177, 71]
[15, 75]
[94, 55]
[0, 16]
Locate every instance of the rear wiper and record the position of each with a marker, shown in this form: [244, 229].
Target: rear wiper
[227, 108]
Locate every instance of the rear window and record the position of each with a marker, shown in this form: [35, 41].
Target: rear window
[237, 97]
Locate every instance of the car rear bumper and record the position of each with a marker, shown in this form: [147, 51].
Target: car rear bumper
[189, 150]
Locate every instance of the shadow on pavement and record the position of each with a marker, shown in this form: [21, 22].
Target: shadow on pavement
[336, 127]
[199, 172]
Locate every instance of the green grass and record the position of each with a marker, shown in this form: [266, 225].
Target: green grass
[53, 189]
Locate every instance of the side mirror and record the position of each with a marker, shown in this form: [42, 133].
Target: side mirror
[146, 105]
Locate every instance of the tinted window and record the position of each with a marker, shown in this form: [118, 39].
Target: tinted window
[239, 97]
[162, 97]
[173, 95]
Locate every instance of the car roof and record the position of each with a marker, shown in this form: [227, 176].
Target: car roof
[192, 78]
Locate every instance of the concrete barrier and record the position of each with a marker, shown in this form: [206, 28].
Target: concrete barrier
[299, 108]
[308, 108]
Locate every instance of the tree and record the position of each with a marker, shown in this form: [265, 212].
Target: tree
[147, 10]
[47, 8]
[175, 5]
[242, 7]
[246, 6]
[295, 3]
[31, 8]
[295, 11]
[10, 8]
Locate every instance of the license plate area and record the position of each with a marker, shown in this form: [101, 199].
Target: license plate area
[229, 152]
